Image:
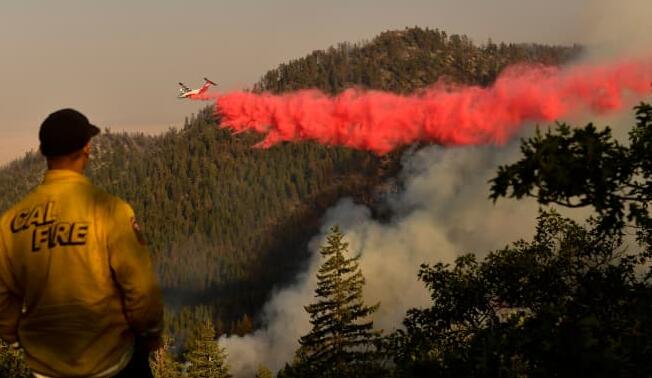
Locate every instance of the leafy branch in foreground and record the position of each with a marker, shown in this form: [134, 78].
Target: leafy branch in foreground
[586, 167]
[570, 302]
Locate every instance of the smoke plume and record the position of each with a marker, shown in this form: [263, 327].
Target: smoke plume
[445, 114]
[442, 212]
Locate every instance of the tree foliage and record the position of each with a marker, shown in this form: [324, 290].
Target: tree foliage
[586, 167]
[263, 372]
[342, 342]
[407, 60]
[571, 302]
[205, 356]
[163, 362]
[575, 300]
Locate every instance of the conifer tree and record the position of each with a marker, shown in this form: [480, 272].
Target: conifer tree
[206, 357]
[162, 363]
[242, 326]
[342, 342]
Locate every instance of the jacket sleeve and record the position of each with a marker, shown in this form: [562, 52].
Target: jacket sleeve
[10, 303]
[133, 271]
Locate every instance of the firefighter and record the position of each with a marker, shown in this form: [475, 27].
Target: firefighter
[77, 290]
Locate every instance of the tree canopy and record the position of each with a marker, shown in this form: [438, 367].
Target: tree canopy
[578, 167]
[575, 300]
[342, 341]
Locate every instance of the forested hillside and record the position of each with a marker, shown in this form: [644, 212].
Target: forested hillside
[407, 60]
[227, 222]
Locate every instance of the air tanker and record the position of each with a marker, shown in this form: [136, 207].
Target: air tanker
[185, 92]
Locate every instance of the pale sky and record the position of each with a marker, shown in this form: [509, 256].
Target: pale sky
[119, 61]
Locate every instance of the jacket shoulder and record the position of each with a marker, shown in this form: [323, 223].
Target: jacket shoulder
[112, 205]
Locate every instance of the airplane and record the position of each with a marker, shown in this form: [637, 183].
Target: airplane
[185, 92]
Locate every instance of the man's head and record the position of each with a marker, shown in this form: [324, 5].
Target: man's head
[65, 136]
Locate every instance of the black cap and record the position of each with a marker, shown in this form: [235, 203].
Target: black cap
[65, 131]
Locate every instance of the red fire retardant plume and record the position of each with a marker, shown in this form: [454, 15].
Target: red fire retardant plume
[441, 114]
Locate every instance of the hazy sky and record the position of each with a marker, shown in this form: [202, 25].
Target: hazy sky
[119, 61]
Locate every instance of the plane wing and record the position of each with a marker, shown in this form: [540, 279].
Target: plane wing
[207, 84]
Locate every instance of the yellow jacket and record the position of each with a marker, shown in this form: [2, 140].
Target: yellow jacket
[76, 279]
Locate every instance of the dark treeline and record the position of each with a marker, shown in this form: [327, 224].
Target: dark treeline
[227, 222]
[408, 60]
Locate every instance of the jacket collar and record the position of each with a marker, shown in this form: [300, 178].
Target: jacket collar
[62, 175]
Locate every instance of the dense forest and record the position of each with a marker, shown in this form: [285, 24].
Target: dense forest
[408, 60]
[218, 212]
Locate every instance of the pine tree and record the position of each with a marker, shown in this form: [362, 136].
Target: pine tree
[162, 363]
[242, 326]
[342, 342]
[206, 357]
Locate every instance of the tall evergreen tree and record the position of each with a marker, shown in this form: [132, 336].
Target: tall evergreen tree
[163, 363]
[206, 357]
[342, 342]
